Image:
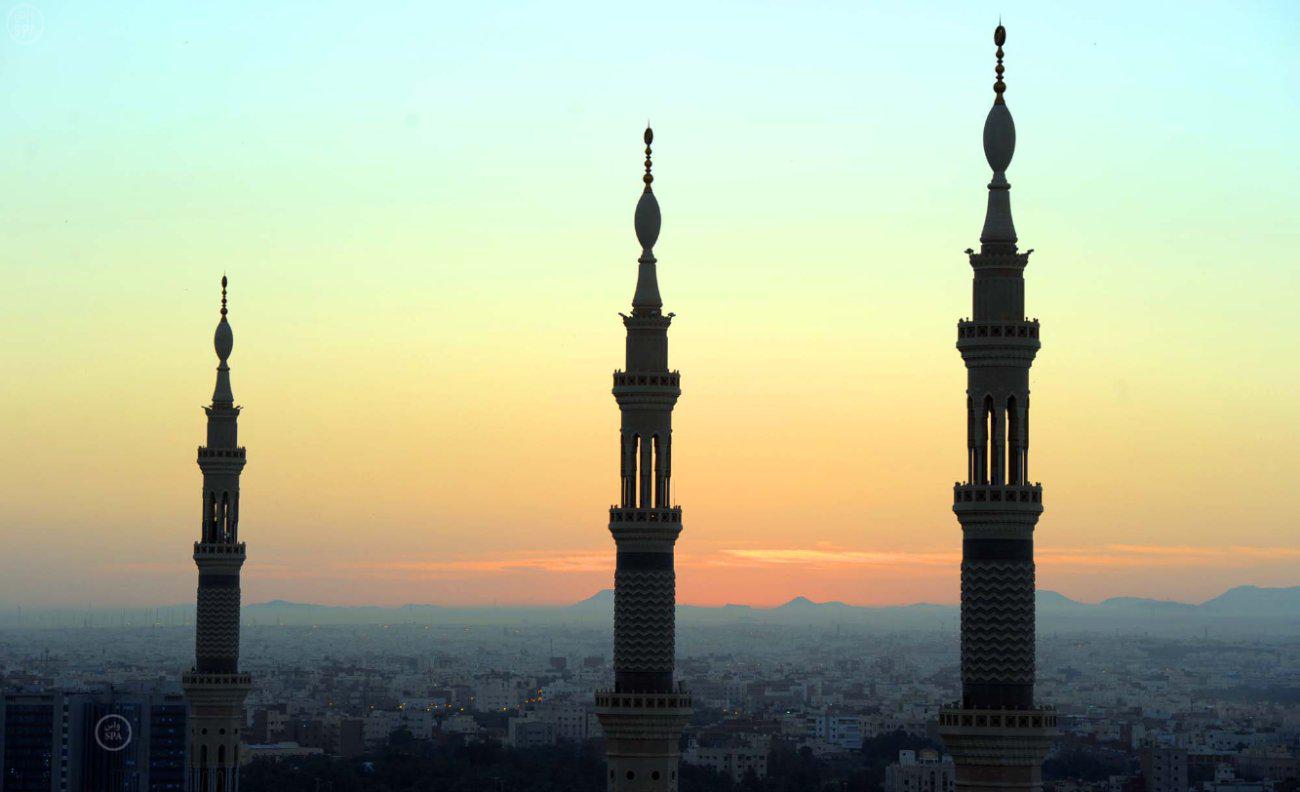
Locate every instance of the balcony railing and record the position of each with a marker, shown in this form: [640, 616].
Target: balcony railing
[1038, 718]
[618, 514]
[625, 379]
[997, 493]
[968, 328]
[678, 699]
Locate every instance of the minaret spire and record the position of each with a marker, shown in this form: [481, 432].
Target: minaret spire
[215, 688]
[645, 712]
[649, 138]
[997, 733]
[999, 234]
[646, 300]
[224, 341]
[999, 87]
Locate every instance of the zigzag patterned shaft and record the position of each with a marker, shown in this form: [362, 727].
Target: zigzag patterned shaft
[217, 625]
[997, 622]
[644, 617]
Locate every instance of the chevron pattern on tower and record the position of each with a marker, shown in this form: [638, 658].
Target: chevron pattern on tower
[644, 618]
[997, 620]
[217, 627]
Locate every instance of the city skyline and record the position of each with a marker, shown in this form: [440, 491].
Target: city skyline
[440, 255]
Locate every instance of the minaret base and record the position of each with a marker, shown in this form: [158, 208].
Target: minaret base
[642, 738]
[215, 725]
[997, 750]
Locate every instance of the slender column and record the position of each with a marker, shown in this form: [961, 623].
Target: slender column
[647, 482]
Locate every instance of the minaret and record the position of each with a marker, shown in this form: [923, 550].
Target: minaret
[643, 716]
[996, 734]
[214, 688]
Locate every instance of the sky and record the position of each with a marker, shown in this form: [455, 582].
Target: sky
[425, 211]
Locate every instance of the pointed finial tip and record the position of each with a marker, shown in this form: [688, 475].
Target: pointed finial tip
[647, 209]
[224, 338]
[649, 138]
[999, 87]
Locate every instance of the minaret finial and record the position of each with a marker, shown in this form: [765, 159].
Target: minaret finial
[999, 38]
[648, 178]
[224, 341]
[647, 221]
[999, 234]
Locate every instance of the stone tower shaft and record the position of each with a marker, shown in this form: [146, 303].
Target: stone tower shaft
[214, 688]
[996, 734]
[644, 714]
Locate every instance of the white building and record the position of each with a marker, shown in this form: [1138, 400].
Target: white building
[277, 751]
[735, 759]
[923, 773]
[460, 723]
[528, 731]
[379, 724]
[839, 731]
[570, 718]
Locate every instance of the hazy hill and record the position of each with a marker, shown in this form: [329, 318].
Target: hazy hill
[1242, 610]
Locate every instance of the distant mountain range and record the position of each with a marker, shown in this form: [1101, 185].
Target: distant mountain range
[1241, 610]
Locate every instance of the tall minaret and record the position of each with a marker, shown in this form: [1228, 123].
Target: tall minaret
[214, 688]
[643, 716]
[996, 734]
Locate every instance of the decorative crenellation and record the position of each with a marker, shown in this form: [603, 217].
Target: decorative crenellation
[997, 493]
[968, 328]
[618, 514]
[613, 699]
[671, 379]
[222, 453]
[998, 259]
[198, 679]
[956, 715]
[219, 548]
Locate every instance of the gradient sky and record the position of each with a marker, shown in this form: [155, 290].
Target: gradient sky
[426, 214]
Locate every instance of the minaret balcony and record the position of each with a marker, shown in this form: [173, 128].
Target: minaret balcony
[657, 527]
[976, 329]
[609, 702]
[954, 718]
[999, 263]
[206, 452]
[647, 379]
[221, 460]
[656, 390]
[216, 695]
[219, 549]
[671, 515]
[195, 679]
[998, 494]
[998, 343]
